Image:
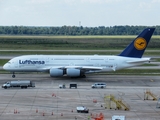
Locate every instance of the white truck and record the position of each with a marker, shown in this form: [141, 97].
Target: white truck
[82, 109]
[19, 83]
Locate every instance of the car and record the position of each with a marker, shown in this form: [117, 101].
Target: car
[62, 86]
[82, 109]
[99, 85]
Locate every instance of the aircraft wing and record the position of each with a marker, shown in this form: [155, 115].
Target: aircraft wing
[86, 68]
[92, 68]
[82, 67]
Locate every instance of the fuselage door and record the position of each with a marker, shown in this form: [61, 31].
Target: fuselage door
[106, 60]
[87, 59]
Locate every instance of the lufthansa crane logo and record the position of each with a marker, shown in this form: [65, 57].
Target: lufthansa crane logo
[140, 43]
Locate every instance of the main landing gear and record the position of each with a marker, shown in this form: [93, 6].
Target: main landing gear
[83, 76]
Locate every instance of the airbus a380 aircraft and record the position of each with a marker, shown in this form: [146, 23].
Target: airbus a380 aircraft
[79, 65]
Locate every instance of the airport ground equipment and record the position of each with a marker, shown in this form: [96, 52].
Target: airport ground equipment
[99, 85]
[82, 109]
[158, 103]
[118, 117]
[148, 95]
[73, 85]
[112, 103]
[62, 86]
[18, 83]
[98, 116]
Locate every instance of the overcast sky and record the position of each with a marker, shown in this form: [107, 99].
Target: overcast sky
[90, 13]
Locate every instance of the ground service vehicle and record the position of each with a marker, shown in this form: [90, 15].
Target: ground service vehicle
[18, 83]
[82, 109]
[71, 85]
[62, 86]
[99, 85]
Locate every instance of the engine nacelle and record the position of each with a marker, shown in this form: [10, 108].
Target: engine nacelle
[73, 72]
[54, 72]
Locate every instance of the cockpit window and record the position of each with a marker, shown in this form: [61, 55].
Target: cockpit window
[9, 62]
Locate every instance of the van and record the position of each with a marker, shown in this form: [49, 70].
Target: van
[99, 85]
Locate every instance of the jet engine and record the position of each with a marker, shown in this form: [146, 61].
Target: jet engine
[73, 72]
[55, 72]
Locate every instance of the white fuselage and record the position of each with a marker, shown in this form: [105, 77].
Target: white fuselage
[92, 63]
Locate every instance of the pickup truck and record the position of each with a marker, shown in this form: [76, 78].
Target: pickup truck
[82, 109]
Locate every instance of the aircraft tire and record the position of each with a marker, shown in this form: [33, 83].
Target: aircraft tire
[13, 76]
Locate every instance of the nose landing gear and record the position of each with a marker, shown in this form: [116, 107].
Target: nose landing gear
[13, 76]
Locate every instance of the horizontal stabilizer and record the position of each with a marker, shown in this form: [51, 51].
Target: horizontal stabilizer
[140, 61]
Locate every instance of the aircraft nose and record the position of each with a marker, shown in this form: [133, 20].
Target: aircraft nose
[6, 66]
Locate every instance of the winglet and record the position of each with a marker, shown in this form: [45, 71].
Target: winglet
[137, 47]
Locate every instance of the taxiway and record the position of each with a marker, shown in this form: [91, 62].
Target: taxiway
[47, 101]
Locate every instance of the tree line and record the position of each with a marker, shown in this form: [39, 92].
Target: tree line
[74, 30]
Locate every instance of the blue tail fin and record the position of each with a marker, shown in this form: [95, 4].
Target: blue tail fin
[137, 47]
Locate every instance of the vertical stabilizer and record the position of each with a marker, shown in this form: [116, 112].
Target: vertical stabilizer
[137, 47]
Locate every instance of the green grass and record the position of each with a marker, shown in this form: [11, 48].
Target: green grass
[136, 72]
[70, 42]
[149, 65]
[157, 59]
[67, 36]
[71, 52]
[3, 61]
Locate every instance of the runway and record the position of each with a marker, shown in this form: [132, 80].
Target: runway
[47, 101]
